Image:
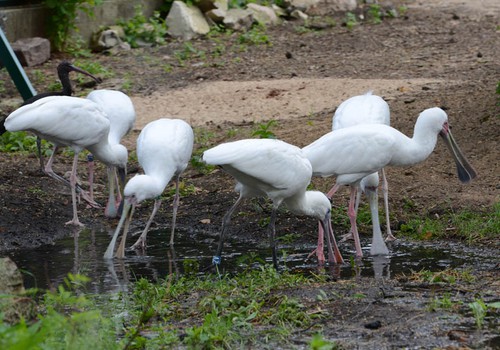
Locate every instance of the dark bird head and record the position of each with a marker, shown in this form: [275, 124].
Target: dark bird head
[63, 70]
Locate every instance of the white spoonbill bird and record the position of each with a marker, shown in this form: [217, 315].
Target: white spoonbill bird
[164, 149]
[69, 121]
[355, 152]
[274, 169]
[63, 70]
[367, 109]
[120, 111]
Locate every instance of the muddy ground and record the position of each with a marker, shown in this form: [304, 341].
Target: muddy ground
[445, 54]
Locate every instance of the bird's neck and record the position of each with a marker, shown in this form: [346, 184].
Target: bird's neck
[111, 155]
[302, 203]
[416, 149]
[155, 186]
[66, 85]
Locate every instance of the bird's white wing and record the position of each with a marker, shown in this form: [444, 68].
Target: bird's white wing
[119, 110]
[363, 109]
[272, 164]
[359, 149]
[61, 119]
[165, 143]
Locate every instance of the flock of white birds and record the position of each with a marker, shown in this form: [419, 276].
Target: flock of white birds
[360, 145]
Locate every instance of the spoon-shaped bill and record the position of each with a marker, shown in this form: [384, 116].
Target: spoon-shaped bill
[333, 249]
[465, 171]
[128, 211]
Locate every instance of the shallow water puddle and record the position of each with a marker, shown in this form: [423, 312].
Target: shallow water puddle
[47, 266]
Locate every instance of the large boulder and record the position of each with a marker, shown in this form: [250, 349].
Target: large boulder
[32, 51]
[320, 7]
[301, 5]
[238, 19]
[326, 7]
[263, 14]
[185, 21]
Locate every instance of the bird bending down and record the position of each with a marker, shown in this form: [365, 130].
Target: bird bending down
[120, 112]
[355, 152]
[366, 109]
[69, 121]
[164, 149]
[279, 171]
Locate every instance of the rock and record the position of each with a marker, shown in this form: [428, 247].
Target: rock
[297, 14]
[263, 14]
[320, 7]
[208, 5]
[32, 51]
[109, 39]
[14, 305]
[279, 11]
[185, 21]
[301, 5]
[216, 15]
[325, 7]
[238, 19]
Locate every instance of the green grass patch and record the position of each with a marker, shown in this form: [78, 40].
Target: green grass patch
[465, 224]
[212, 311]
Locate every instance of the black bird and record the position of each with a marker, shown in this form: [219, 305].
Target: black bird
[63, 70]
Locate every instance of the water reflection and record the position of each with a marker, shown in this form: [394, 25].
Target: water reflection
[82, 253]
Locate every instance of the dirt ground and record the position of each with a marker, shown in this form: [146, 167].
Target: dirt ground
[442, 54]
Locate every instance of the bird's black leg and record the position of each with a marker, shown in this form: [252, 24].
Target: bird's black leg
[40, 155]
[272, 242]
[225, 224]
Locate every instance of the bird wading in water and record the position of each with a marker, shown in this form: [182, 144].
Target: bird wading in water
[277, 170]
[358, 151]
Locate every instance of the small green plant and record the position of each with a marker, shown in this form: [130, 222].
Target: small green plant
[128, 82]
[167, 68]
[479, 309]
[350, 20]
[448, 276]
[63, 18]
[203, 138]
[423, 229]
[318, 342]
[375, 13]
[188, 52]
[302, 29]
[94, 68]
[39, 77]
[263, 130]
[184, 189]
[67, 319]
[79, 48]
[498, 93]
[444, 302]
[289, 238]
[21, 141]
[140, 29]
[255, 36]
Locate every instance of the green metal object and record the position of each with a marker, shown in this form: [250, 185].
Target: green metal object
[16, 71]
